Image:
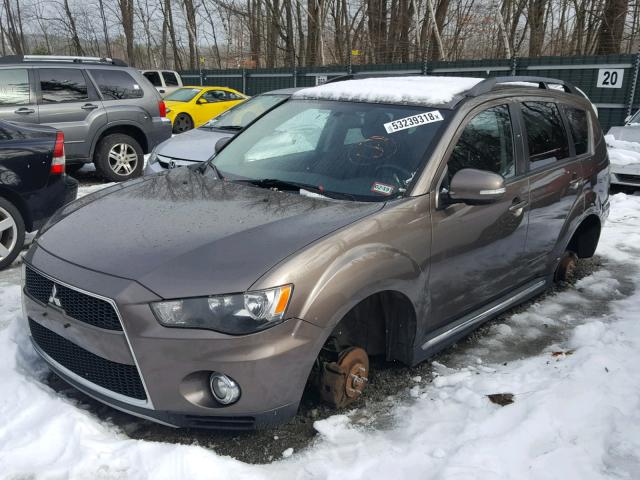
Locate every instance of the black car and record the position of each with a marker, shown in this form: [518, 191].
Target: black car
[33, 184]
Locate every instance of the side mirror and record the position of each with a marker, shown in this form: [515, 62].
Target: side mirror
[476, 186]
[221, 143]
[202, 101]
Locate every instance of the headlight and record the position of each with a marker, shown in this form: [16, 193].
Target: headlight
[236, 314]
[153, 158]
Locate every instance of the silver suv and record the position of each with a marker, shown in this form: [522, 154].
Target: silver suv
[109, 113]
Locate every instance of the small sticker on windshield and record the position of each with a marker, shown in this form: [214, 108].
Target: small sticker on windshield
[382, 188]
[413, 121]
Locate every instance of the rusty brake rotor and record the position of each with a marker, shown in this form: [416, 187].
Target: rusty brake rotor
[343, 381]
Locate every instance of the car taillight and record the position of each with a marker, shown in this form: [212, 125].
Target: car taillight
[58, 161]
[163, 108]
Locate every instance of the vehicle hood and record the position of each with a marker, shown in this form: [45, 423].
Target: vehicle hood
[197, 145]
[628, 133]
[184, 234]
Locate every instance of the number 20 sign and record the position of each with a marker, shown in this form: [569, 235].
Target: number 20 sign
[610, 77]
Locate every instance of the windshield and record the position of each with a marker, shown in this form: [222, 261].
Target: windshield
[367, 151]
[183, 94]
[246, 112]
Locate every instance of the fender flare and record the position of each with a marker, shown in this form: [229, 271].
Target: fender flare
[345, 284]
[100, 133]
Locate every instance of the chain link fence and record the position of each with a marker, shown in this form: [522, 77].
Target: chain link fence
[610, 81]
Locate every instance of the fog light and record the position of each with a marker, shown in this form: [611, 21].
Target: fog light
[225, 390]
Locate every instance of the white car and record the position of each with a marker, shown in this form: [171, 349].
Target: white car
[624, 152]
[165, 81]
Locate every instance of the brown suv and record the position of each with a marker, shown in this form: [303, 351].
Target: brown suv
[376, 216]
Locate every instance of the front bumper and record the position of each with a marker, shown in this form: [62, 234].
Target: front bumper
[174, 364]
[625, 175]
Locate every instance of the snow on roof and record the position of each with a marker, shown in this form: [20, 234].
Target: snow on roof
[416, 90]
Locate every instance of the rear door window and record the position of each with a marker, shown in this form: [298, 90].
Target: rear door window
[62, 85]
[116, 84]
[154, 78]
[14, 87]
[170, 79]
[579, 126]
[546, 136]
[486, 144]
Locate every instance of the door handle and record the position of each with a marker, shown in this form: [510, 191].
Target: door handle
[161, 91]
[24, 111]
[518, 206]
[575, 182]
[89, 106]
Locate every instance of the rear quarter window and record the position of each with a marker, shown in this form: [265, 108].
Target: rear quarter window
[579, 126]
[116, 84]
[154, 78]
[546, 136]
[170, 79]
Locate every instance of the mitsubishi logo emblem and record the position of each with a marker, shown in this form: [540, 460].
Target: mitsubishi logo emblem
[172, 164]
[53, 298]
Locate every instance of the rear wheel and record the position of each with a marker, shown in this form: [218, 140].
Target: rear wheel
[182, 123]
[11, 233]
[119, 157]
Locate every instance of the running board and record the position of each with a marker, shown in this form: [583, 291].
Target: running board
[467, 322]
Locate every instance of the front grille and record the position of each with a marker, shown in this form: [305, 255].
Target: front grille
[75, 304]
[117, 377]
[635, 179]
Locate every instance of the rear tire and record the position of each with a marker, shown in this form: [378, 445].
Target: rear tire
[11, 233]
[182, 123]
[119, 157]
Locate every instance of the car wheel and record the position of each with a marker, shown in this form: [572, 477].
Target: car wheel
[11, 233]
[182, 123]
[119, 157]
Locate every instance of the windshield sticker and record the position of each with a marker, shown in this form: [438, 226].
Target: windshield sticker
[413, 121]
[382, 188]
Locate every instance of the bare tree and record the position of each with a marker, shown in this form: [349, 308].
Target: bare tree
[612, 26]
[126, 18]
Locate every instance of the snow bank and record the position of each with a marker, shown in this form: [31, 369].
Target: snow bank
[416, 90]
[576, 410]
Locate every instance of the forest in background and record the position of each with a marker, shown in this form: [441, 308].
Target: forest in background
[188, 34]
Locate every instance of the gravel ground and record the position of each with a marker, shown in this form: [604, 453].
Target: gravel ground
[389, 383]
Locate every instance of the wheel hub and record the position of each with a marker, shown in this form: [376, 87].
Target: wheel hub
[343, 382]
[123, 159]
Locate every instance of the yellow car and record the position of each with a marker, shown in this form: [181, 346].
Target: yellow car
[190, 107]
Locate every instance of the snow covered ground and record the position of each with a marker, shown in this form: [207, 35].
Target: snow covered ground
[570, 361]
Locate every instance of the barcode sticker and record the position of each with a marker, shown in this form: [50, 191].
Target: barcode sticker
[413, 121]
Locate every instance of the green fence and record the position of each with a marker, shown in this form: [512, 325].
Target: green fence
[610, 81]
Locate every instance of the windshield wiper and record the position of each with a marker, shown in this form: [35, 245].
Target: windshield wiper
[228, 127]
[292, 186]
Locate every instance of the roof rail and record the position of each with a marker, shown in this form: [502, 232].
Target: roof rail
[543, 82]
[62, 59]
